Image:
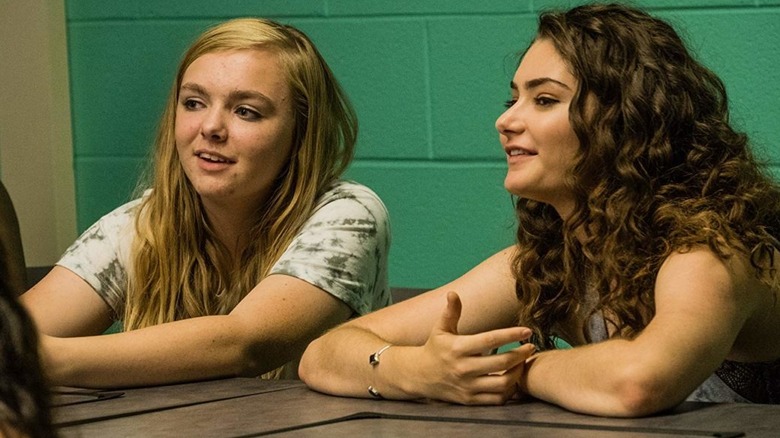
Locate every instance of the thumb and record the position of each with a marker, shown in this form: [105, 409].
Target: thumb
[448, 322]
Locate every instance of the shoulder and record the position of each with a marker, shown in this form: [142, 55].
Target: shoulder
[351, 202]
[704, 278]
[350, 191]
[106, 240]
[127, 209]
[116, 223]
[704, 264]
[700, 287]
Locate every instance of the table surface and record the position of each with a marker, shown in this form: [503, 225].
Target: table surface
[244, 407]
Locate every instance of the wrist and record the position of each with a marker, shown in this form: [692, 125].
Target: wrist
[392, 378]
[374, 359]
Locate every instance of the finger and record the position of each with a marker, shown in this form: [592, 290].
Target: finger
[484, 399]
[495, 364]
[448, 322]
[516, 373]
[507, 383]
[489, 390]
[488, 380]
[493, 339]
[496, 383]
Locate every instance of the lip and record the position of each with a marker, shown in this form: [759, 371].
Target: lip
[514, 152]
[213, 157]
[209, 161]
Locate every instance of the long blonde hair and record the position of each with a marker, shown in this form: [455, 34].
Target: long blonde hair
[179, 270]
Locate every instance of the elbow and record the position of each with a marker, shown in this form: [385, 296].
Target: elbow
[248, 362]
[256, 358]
[307, 370]
[638, 393]
[635, 400]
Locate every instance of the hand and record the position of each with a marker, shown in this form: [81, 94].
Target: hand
[457, 368]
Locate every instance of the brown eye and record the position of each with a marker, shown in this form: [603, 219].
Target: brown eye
[545, 101]
[191, 104]
[247, 113]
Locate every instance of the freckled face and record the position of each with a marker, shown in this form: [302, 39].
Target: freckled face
[535, 131]
[234, 126]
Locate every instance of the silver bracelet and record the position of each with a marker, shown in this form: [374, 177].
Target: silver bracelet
[373, 358]
[374, 393]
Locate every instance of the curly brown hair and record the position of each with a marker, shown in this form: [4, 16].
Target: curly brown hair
[660, 169]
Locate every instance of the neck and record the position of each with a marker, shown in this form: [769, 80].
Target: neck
[230, 224]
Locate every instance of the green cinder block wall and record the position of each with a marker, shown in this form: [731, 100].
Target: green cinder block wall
[428, 79]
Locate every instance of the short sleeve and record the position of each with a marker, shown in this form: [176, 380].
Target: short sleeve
[343, 248]
[100, 256]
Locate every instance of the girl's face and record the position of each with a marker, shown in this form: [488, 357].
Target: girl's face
[234, 126]
[535, 130]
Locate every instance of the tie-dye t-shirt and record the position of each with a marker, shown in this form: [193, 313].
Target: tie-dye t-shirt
[342, 249]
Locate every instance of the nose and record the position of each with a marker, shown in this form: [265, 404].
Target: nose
[213, 127]
[510, 121]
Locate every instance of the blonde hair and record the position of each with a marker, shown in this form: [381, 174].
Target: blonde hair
[179, 270]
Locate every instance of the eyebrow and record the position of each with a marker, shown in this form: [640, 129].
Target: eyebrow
[234, 95]
[533, 83]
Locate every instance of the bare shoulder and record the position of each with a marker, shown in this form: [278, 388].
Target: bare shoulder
[726, 289]
[731, 275]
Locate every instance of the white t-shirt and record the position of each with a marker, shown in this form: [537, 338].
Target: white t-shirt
[342, 249]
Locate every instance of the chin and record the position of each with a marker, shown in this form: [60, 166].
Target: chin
[513, 188]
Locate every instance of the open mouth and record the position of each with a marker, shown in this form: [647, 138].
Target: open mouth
[213, 158]
[519, 152]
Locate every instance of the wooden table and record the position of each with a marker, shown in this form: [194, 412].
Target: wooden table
[244, 407]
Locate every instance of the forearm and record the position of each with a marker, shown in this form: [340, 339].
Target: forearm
[447, 367]
[612, 378]
[193, 349]
[337, 363]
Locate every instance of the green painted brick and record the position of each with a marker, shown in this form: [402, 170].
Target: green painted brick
[233, 8]
[650, 4]
[743, 48]
[775, 172]
[692, 4]
[102, 185]
[445, 218]
[76, 10]
[428, 80]
[381, 65]
[133, 9]
[472, 63]
[428, 7]
[120, 76]
[555, 4]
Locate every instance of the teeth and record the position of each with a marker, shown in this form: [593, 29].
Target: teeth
[515, 152]
[212, 158]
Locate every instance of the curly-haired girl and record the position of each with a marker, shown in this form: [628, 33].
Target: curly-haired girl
[647, 238]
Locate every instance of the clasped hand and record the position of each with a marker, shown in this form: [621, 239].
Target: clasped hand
[459, 369]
